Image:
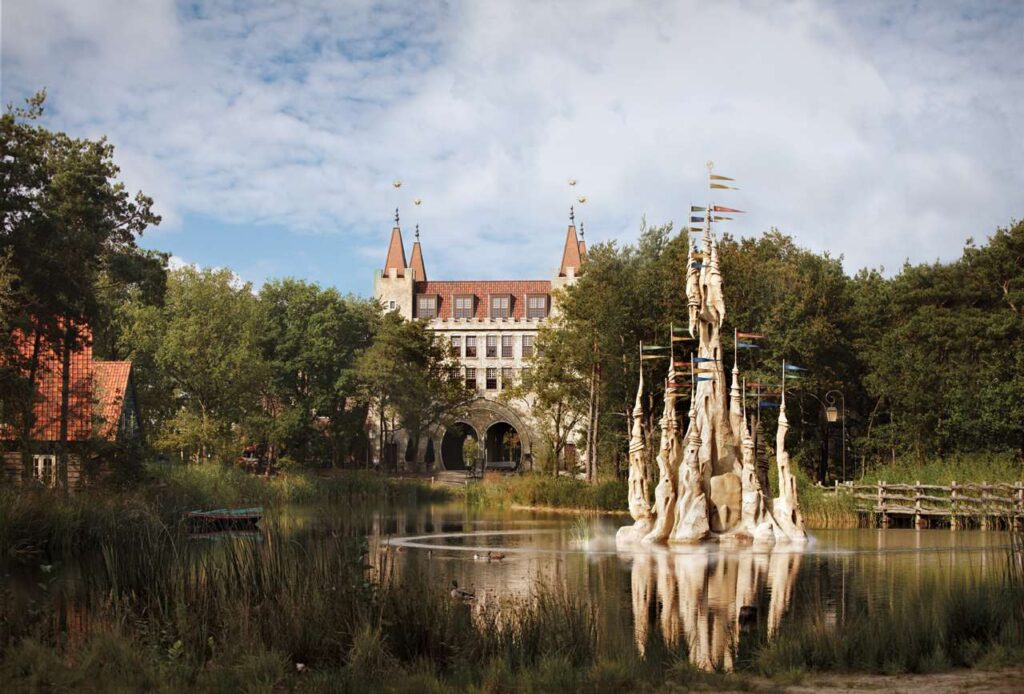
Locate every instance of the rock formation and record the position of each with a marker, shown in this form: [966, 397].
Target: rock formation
[716, 485]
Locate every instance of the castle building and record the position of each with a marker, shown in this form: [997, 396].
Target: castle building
[491, 328]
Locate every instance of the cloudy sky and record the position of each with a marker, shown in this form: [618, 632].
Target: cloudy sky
[269, 132]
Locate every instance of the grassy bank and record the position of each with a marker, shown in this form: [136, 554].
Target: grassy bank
[545, 491]
[38, 521]
[961, 468]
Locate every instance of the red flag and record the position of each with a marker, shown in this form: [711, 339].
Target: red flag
[719, 208]
[749, 336]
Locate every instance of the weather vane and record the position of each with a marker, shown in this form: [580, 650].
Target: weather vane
[417, 232]
[396, 216]
[581, 230]
[572, 215]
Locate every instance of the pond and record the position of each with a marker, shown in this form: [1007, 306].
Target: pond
[712, 600]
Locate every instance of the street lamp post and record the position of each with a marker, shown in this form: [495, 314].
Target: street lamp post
[831, 414]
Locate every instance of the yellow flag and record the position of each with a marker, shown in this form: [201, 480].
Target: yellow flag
[716, 177]
[722, 186]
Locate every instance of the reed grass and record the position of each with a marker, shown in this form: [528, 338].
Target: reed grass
[539, 490]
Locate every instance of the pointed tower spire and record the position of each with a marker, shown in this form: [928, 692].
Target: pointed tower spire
[571, 254]
[419, 270]
[396, 252]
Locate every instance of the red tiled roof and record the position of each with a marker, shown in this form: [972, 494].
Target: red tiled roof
[418, 268]
[482, 289]
[94, 387]
[396, 253]
[571, 254]
[111, 388]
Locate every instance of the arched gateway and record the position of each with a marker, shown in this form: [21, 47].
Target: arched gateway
[506, 439]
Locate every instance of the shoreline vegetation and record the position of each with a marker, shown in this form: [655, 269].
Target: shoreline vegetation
[272, 616]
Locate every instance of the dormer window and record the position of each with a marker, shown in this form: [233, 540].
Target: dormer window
[501, 306]
[464, 306]
[426, 306]
[537, 306]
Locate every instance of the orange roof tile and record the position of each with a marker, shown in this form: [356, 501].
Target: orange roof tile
[482, 289]
[111, 387]
[418, 268]
[396, 254]
[571, 254]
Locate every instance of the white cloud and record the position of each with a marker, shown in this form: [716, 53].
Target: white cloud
[869, 130]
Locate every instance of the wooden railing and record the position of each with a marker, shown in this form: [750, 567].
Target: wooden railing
[984, 504]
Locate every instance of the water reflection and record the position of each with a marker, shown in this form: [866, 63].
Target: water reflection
[702, 602]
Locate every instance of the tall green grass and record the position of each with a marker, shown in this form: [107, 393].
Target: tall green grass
[547, 491]
[42, 522]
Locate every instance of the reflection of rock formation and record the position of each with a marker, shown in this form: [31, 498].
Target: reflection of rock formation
[715, 486]
[705, 601]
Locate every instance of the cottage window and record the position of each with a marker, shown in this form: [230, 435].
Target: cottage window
[492, 379]
[492, 346]
[470, 379]
[506, 346]
[44, 468]
[426, 306]
[527, 345]
[456, 348]
[464, 306]
[537, 306]
[471, 346]
[501, 306]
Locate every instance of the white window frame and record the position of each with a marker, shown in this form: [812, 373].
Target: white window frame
[39, 473]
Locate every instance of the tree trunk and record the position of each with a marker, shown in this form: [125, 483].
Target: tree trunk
[591, 427]
[28, 419]
[65, 397]
[596, 423]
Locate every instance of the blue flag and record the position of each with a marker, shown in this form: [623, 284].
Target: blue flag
[747, 345]
[703, 359]
[705, 378]
[696, 220]
[794, 367]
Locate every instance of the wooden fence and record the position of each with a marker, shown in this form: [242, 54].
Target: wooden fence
[984, 505]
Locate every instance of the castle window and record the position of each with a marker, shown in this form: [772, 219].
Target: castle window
[506, 377]
[471, 346]
[456, 346]
[470, 379]
[454, 374]
[527, 345]
[492, 379]
[537, 306]
[506, 346]
[391, 305]
[492, 346]
[43, 468]
[501, 306]
[464, 306]
[426, 306]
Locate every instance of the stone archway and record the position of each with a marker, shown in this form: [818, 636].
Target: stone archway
[452, 443]
[503, 446]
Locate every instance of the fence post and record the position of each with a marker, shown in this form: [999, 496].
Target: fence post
[1018, 506]
[954, 519]
[881, 503]
[919, 522]
[984, 508]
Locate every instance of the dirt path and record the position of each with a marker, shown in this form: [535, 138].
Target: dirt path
[974, 681]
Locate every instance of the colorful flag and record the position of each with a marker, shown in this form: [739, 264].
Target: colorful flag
[794, 367]
[719, 186]
[695, 229]
[749, 336]
[696, 220]
[698, 208]
[719, 208]
[701, 360]
[654, 356]
[684, 384]
[653, 348]
[705, 378]
[747, 345]
[716, 177]
[682, 364]
[681, 338]
[722, 219]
